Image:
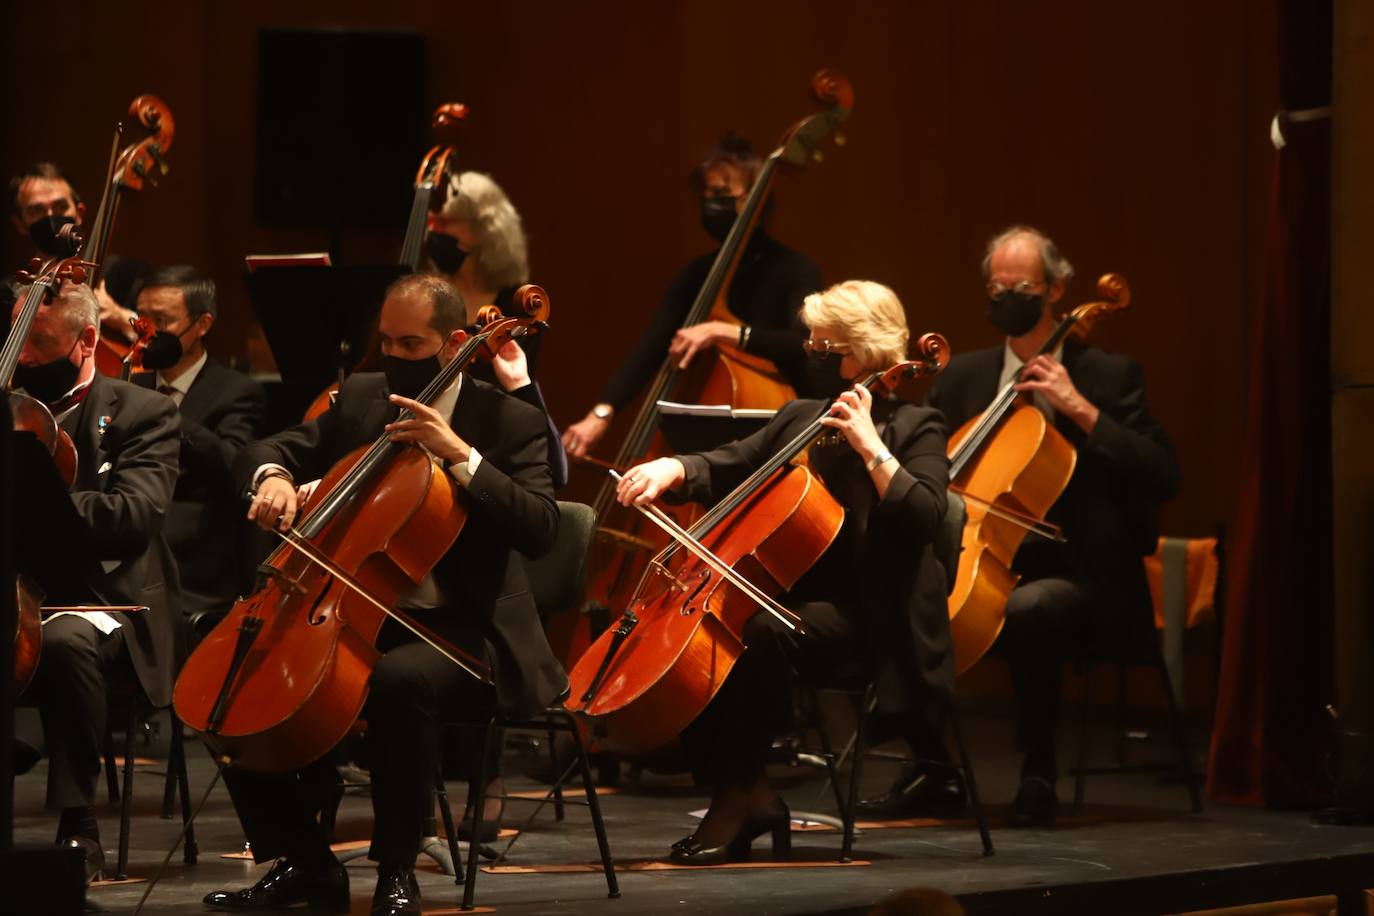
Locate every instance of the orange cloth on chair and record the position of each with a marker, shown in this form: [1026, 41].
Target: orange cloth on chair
[1201, 577]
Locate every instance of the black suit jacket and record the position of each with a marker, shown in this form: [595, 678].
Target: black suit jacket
[221, 413]
[511, 508]
[883, 563]
[126, 444]
[1126, 470]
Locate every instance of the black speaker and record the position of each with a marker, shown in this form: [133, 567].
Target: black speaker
[342, 126]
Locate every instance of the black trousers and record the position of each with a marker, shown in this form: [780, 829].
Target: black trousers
[728, 743]
[414, 690]
[70, 689]
[1043, 616]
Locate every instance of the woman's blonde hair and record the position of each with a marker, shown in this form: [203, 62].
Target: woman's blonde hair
[502, 256]
[869, 314]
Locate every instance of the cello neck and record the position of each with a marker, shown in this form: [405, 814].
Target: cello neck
[1001, 405]
[416, 224]
[19, 331]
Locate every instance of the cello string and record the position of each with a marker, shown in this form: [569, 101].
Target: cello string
[662, 519]
[297, 540]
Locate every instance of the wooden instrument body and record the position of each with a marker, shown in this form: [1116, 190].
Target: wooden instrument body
[305, 678]
[691, 619]
[33, 416]
[28, 633]
[1023, 469]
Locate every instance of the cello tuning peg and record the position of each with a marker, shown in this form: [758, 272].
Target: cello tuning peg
[78, 274]
[817, 156]
[841, 139]
[35, 263]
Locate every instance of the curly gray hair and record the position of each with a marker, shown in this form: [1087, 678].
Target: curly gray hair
[502, 255]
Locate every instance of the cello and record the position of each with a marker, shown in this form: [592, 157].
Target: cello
[431, 193]
[281, 679]
[1010, 464]
[724, 375]
[139, 164]
[33, 416]
[645, 680]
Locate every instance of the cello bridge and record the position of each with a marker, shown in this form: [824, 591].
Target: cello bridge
[673, 581]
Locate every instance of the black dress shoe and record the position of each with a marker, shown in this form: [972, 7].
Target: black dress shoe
[778, 822]
[1036, 804]
[491, 826]
[325, 890]
[921, 790]
[397, 894]
[93, 854]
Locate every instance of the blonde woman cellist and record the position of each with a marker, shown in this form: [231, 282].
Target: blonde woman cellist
[877, 594]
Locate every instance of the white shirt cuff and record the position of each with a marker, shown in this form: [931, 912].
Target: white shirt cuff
[463, 470]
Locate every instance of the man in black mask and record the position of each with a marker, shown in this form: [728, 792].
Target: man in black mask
[1094, 586]
[765, 296]
[42, 201]
[221, 412]
[126, 446]
[495, 448]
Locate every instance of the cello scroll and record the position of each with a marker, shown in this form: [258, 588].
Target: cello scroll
[933, 352]
[1116, 297]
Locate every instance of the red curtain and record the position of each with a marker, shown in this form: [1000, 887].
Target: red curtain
[1270, 732]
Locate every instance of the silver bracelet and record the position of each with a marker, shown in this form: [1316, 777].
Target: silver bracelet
[744, 336]
[878, 460]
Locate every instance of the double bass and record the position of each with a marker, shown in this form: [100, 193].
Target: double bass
[646, 679]
[431, 193]
[723, 375]
[1010, 464]
[281, 679]
[132, 168]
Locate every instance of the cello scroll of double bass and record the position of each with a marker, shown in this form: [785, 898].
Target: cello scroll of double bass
[1010, 464]
[644, 680]
[282, 678]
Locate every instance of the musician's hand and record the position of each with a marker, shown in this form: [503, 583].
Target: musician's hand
[511, 367]
[1047, 375]
[274, 504]
[690, 341]
[304, 491]
[852, 414]
[113, 316]
[429, 429]
[643, 483]
[582, 436]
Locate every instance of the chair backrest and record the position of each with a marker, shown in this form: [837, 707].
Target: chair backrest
[949, 540]
[556, 577]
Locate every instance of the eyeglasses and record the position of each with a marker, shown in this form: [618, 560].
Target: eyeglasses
[825, 347]
[996, 289]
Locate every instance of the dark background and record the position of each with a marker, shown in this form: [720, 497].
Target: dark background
[1135, 134]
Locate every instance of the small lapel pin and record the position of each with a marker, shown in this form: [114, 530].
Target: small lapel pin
[103, 424]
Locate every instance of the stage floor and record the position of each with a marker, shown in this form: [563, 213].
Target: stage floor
[1133, 833]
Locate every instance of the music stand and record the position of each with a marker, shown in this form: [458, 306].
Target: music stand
[318, 320]
[700, 427]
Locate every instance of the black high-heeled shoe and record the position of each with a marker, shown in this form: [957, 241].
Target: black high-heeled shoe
[778, 822]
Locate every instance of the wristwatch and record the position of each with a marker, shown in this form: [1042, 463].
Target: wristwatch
[603, 411]
[877, 460]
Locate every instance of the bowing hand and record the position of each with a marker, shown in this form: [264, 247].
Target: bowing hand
[852, 415]
[644, 483]
[428, 429]
[1047, 376]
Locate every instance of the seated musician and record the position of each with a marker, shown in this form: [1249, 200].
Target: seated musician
[765, 294]
[478, 242]
[1109, 513]
[495, 446]
[877, 594]
[42, 202]
[221, 412]
[126, 444]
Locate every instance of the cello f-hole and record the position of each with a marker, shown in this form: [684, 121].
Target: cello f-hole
[316, 615]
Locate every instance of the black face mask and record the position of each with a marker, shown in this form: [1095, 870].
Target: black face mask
[408, 377]
[717, 216]
[1015, 313]
[50, 381]
[163, 351]
[44, 234]
[443, 250]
